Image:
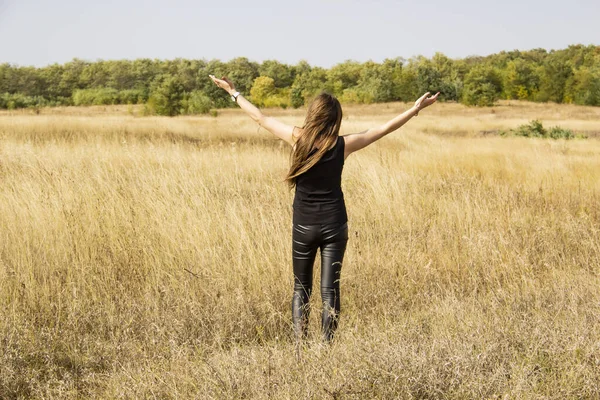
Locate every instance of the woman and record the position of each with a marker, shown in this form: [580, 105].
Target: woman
[319, 217]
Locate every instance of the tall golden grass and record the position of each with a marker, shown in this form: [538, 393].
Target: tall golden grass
[151, 258]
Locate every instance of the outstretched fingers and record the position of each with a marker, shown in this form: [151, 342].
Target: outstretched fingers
[424, 97]
[431, 99]
[223, 83]
[227, 81]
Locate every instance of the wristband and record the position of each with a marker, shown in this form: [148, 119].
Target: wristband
[234, 96]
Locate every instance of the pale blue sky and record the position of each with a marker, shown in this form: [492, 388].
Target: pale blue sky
[321, 32]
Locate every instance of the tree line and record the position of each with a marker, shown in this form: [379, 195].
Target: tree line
[182, 86]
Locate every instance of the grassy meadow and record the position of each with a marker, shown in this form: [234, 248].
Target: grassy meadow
[150, 257]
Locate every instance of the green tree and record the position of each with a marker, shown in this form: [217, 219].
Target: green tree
[283, 75]
[52, 77]
[375, 84]
[584, 87]
[243, 72]
[438, 74]
[567, 75]
[120, 75]
[406, 85]
[555, 72]
[428, 77]
[71, 77]
[196, 102]
[263, 88]
[95, 75]
[217, 95]
[343, 76]
[482, 86]
[521, 80]
[307, 85]
[144, 71]
[167, 96]
[303, 67]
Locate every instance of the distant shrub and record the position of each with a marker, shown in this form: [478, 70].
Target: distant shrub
[262, 89]
[557, 132]
[167, 96]
[131, 96]
[265, 94]
[95, 97]
[105, 96]
[60, 101]
[296, 98]
[356, 96]
[149, 108]
[535, 128]
[281, 98]
[13, 101]
[4, 100]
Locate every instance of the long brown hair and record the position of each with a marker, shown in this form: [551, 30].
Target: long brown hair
[322, 126]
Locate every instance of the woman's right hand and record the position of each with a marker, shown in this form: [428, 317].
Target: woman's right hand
[224, 83]
[425, 101]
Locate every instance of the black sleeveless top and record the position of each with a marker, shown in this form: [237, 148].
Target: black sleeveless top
[319, 198]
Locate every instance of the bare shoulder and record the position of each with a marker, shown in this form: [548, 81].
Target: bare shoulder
[296, 133]
[354, 142]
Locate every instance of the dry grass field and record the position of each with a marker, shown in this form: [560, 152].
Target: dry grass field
[149, 257]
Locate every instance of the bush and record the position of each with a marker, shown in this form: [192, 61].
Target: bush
[18, 100]
[277, 100]
[263, 88]
[95, 97]
[265, 94]
[196, 102]
[130, 96]
[536, 129]
[106, 96]
[356, 96]
[166, 99]
[149, 108]
[296, 97]
[533, 129]
[557, 132]
[59, 101]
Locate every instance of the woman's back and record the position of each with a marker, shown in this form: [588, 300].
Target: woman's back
[319, 198]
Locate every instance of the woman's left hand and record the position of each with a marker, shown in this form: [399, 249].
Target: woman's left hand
[223, 83]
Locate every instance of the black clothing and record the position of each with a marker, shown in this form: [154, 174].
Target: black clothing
[306, 239]
[319, 198]
[320, 222]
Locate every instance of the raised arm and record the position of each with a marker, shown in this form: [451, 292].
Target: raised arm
[276, 127]
[357, 141]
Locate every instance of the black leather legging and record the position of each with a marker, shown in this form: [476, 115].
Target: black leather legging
[306, 239]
